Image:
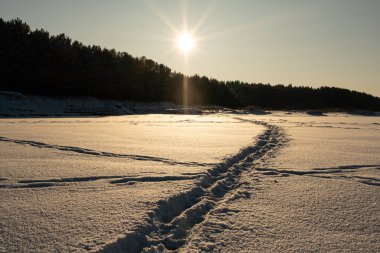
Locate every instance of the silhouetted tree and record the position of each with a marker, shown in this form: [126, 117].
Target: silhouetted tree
[35, 62]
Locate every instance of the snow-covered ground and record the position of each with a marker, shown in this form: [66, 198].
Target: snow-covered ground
[319, 193]
[78, 183]
[214, 182]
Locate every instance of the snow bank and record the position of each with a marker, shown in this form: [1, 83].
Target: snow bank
[13, 104]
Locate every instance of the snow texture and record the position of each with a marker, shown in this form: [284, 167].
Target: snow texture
[224, 182]
[317, 194]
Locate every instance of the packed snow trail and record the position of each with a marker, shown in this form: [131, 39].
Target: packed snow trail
[168, 226]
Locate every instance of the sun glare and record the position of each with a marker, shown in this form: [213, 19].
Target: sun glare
[185, 42]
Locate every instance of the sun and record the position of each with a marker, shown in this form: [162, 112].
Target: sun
[185, 42]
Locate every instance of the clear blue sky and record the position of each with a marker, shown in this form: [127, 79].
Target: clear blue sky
[299, 42]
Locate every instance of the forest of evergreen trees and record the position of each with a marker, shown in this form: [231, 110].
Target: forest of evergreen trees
[34, 62]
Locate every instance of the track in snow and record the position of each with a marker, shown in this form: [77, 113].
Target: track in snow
[168, 226]
[341, 173]
[92, 152]
[42, 183]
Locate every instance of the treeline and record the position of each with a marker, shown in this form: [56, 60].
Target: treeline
[34, 62]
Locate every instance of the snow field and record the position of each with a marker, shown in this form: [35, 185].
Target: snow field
[265, 182]
[62, 190]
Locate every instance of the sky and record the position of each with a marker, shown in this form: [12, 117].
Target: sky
[298, 42]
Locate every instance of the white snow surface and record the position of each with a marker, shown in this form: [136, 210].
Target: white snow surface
[260, 182]
[77, 183]
[319, 193]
